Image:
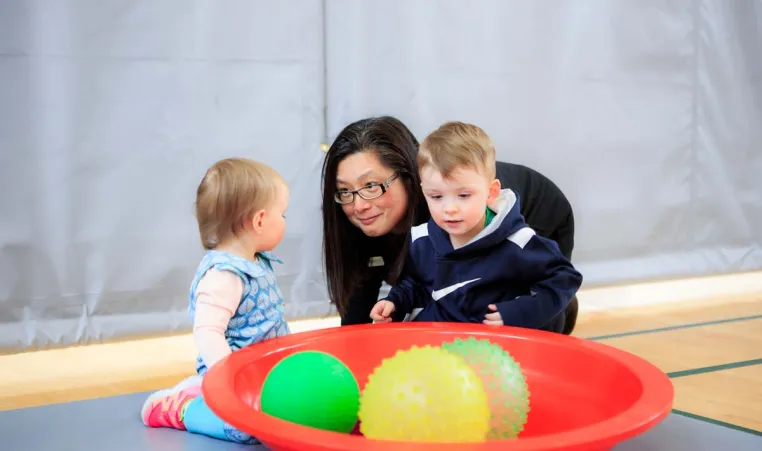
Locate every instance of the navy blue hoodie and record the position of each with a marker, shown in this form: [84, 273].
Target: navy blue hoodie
[506, 264]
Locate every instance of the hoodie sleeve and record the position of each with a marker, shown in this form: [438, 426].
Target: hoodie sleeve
[403, 295]
[408, 293]
[553, 282]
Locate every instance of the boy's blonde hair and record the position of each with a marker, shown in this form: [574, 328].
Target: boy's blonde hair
[230, 193]
[456, 144]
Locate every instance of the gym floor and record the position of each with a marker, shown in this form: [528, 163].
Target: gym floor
[709, 341]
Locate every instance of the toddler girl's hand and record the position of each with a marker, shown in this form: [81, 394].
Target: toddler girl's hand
[493, 319]
[381, 311]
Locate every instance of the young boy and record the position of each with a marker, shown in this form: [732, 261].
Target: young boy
[476, 260]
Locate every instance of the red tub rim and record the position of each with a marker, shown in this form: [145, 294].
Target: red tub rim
[651, 408]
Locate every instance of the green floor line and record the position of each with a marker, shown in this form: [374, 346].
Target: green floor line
[677, 327]
[693, 416]
[695, 371]
[713, 368]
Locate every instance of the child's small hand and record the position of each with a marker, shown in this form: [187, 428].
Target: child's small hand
[493, 319]
[381, 311]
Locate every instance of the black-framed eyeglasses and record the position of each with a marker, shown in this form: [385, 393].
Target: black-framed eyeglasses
[367, 192]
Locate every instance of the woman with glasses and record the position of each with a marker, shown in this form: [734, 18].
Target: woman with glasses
[372, 198]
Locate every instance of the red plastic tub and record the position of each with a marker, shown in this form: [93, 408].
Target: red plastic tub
[584, 395]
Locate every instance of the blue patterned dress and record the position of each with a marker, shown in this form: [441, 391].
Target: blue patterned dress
[260, 312]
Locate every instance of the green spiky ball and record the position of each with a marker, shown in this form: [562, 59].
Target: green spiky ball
[503, 380]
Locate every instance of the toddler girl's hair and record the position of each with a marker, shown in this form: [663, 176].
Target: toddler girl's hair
[456, 144]
[230, 193]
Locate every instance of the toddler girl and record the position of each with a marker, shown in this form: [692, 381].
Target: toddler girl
[234, 298]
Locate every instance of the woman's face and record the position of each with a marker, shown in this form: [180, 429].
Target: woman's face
[375, 217]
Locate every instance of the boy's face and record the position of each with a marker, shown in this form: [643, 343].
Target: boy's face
[458, 204]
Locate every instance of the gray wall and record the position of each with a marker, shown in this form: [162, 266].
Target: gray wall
[647, 113]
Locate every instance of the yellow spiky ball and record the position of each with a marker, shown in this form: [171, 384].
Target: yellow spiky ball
[424, 394]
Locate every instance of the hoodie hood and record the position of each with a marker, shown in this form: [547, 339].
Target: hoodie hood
[507, 220]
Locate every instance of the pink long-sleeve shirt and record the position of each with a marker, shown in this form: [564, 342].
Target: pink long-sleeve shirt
[218, 296]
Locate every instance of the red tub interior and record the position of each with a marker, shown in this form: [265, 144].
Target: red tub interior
[584, 395]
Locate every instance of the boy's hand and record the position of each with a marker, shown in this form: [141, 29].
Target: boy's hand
[493, 319]
[381, 311]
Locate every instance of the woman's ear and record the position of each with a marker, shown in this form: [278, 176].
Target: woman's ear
[494, 191]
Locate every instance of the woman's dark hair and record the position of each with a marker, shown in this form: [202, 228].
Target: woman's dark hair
[346, 249]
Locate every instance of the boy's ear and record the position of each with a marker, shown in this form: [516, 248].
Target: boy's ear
[494, 191]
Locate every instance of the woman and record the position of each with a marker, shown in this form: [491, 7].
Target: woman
[371, 200]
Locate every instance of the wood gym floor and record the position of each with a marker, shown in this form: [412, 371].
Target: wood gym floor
[709, 343]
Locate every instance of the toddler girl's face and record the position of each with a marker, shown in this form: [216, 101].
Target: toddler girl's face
[275, 219]
[458, 203]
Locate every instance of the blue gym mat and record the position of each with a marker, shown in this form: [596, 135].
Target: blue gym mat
[114, 424]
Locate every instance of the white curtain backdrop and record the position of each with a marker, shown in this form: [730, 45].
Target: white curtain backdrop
[648, 114]
[110, 112]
